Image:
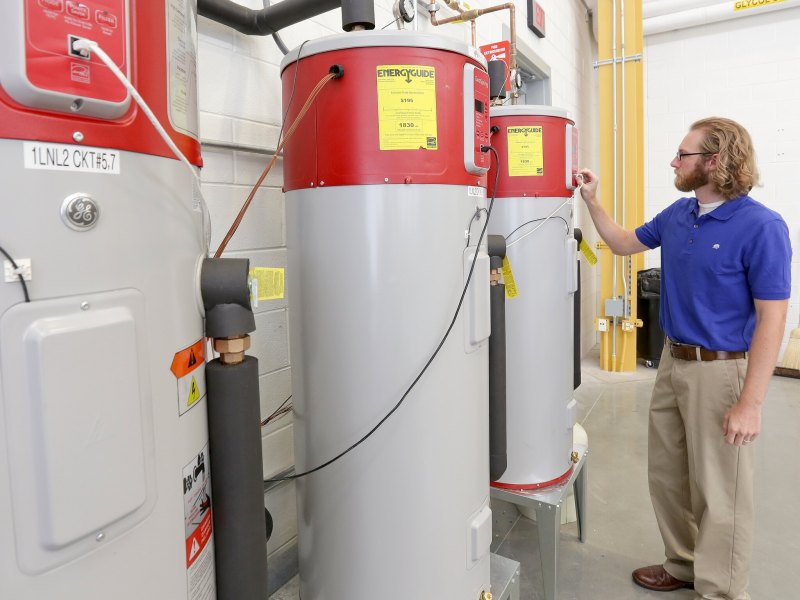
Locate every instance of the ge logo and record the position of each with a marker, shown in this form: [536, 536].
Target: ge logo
[80, 212]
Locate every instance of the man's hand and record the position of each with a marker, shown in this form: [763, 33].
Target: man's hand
[621, 241]
[589, 187]
[742, 423]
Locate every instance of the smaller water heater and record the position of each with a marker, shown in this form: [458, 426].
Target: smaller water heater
[538, 159]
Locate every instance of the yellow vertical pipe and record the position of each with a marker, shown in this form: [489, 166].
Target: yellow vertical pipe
[630, 153]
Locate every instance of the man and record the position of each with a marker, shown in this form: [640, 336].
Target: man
[725, 286]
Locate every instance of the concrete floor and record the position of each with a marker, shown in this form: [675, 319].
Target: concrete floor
[622, 533]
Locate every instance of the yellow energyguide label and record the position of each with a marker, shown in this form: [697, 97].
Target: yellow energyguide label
[525, 155]
[508, 280]
[407, 117]
[587, 252]
[269, 282]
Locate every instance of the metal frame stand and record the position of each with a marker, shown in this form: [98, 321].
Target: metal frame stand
[547, 504]
[504, 578]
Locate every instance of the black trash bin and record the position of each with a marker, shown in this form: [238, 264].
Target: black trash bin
[649, 337]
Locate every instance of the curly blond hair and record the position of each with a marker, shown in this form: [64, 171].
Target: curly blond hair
[736, 171]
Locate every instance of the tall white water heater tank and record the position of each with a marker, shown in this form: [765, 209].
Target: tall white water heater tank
[382, 179]
[104, 470]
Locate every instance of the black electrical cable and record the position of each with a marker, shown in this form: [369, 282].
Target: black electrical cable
[21, 278]
[476, 216]
[390, 23]
[534, 221]
[275, 412]
[435, 352]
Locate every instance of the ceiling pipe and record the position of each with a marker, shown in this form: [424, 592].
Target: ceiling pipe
[356, 14]
[692, 17]
[657, 8]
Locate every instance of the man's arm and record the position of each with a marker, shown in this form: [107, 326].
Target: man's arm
[621, 241]
[743, 420]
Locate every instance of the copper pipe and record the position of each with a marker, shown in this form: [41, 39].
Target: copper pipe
[471, 15]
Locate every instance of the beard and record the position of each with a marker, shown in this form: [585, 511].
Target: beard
[692, 180]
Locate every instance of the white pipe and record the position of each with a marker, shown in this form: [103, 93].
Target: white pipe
[656, 8]
[625, 260]
[711, 14]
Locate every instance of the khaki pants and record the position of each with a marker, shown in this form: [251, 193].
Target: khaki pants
[701, 487]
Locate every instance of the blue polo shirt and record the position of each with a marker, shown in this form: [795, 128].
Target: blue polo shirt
[712, 267]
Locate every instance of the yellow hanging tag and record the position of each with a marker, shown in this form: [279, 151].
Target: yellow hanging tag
[508, 279]
[587, 252]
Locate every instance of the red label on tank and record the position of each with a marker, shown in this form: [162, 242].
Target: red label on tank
[198, 540]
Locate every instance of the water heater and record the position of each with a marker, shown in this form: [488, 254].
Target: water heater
[104, 471]
[538, 159]
[385, 200]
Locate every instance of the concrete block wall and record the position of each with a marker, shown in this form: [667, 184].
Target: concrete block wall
[747, 69]
[240, 117]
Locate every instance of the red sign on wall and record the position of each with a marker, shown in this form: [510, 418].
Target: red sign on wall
[499, 51]
[536, 18]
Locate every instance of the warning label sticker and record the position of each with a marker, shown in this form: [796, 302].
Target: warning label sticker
[407, 118]
[525, 155]
[182, 66]
[268, 283]
[189, 367]
[199, 527]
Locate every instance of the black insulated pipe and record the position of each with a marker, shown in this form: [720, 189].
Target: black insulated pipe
[497, 78]
[237, 476]
[358, 13]
[226, 297]
[496, 246]
[498, 453]
[234, 430]
[576, 320]
[270, 20]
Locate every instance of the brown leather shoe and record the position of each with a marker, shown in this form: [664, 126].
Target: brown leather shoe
[655, 577]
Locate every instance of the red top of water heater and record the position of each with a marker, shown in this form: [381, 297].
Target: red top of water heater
[410, 108]
[47, 25]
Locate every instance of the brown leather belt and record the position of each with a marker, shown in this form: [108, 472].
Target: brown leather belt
[688, 352]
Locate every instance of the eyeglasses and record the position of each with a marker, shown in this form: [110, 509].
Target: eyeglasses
[679, 155]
